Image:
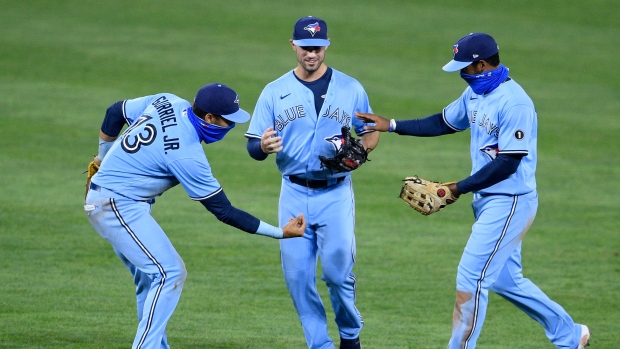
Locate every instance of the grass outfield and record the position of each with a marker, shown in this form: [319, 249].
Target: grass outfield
[63, 62]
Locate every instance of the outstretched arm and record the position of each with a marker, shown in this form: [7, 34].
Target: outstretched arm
[225, 212]
[429, 126]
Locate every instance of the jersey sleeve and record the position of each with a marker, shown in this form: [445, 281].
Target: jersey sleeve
[363, 106]
[195, 176]
[517, 126]
[262, 118]
[455, 114]
[133, 108]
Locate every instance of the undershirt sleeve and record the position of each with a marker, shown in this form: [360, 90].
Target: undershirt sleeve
[114, 120]
[429, 126]
[225, 212]
[490, 174]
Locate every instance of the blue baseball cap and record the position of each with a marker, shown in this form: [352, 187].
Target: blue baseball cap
[310, 31]
[470, 48]
[220, 99]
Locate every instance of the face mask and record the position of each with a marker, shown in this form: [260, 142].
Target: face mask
[208, 133]
[486, 82]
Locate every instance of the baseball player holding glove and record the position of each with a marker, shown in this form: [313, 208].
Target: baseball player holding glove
[160, 149]
[305, 118]
[503, 124]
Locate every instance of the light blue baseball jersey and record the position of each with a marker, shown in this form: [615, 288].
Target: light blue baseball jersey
[159, 150]
[502, 122]
[288, 106]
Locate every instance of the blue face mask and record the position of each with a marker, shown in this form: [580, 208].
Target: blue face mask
[486, 82]
[208, 133]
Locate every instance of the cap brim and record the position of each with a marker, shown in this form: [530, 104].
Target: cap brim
[240, 116]
[455, 66]
[311, 42]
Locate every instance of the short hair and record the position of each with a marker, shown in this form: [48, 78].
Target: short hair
[493, 60]
[199, 112]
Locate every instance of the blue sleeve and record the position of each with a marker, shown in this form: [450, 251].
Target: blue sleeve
[225, 212]
[113, 121]
[492, 173]
[429, 126]
[254, 149]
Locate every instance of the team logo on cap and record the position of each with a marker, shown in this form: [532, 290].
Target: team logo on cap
[313, 28]
[455, 50]
[236, 99]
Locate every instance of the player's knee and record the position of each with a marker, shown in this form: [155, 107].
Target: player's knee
[337, 277]
[465, 281]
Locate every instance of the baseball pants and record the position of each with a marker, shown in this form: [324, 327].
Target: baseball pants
[492, 260]
[329, 236]
[158, 270]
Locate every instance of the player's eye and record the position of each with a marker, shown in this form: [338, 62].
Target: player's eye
[316, 49]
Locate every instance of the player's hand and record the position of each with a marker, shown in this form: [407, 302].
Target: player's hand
[97, 161]
[295, 227]
[381, 124]
[269, 143]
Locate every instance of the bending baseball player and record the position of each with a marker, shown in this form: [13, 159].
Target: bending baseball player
[160, 149]
[305, 118]
[503, 124]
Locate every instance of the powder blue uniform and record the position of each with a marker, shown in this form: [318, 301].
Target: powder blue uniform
[503, 121]
[159, 150]
[288, 106]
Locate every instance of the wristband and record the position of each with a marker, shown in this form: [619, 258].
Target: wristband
[392, 125]
[103, 148]
[266, 229]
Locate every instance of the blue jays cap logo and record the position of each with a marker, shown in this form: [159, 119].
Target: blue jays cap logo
[455, 49]
[313, 28]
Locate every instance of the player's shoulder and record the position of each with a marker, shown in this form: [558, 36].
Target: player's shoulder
[514, 94]
[346, 81]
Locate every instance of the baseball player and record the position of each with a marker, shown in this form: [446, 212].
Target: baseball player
[160, 149]
[503, 125]
[299, 117]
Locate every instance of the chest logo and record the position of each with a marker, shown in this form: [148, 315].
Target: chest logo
[335, 140]
[284, 96]
[490, 150]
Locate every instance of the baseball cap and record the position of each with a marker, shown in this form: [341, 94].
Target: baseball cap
[310, 31]
[470, 48]
[220, 99]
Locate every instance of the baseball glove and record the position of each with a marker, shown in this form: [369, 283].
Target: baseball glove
[349, 157]
[425, 196]
[90, 172]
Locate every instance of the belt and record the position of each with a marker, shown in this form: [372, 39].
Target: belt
[95, 187]
[314, 183]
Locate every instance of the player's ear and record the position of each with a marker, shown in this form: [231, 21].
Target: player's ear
[292, 45]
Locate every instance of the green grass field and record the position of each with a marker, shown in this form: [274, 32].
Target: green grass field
[63, 62]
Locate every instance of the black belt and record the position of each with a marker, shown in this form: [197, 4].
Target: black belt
[94, 186]
[313, 183]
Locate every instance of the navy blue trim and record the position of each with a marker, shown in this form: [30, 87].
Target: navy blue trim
[150, 256]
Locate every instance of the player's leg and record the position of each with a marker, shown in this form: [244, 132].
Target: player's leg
[501, 223]
[128, 226]
[299, 260]
[335, 212]
[558, 325]
[143, 284]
